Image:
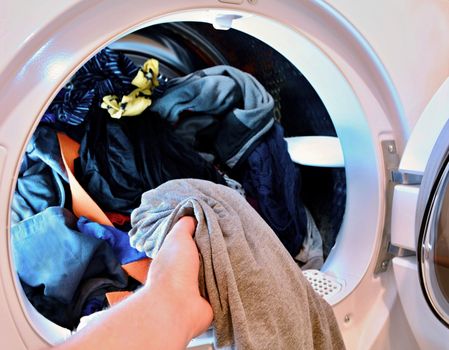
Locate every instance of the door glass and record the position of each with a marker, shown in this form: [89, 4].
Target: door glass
[435, 249]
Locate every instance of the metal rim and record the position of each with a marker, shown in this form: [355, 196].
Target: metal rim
[428, 255]
[433, 191]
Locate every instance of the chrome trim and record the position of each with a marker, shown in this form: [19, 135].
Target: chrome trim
[429, 277]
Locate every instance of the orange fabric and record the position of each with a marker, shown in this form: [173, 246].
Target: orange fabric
[82, 203]
[116, 297]
[138, 269]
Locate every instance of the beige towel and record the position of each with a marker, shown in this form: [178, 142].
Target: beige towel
[258, 294]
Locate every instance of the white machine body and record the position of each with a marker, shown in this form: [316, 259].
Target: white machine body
[381, 69]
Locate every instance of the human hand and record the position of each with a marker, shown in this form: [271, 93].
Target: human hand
[166, 313]
[174, 275]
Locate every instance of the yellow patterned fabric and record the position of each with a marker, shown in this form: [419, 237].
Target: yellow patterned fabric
[139, 99]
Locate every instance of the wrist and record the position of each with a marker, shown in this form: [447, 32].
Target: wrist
[171, 310]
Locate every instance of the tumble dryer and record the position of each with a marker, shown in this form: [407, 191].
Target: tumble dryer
[381, 70]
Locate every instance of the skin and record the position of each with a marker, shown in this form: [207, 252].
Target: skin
[166, 313]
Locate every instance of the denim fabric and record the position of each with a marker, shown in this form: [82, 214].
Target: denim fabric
[108, 72]
[118, 240]
[41, 177]
[270, 177]
[48, 251]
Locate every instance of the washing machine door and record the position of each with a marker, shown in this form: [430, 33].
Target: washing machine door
[420, 226]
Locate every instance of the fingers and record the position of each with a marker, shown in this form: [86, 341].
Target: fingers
[185, 225]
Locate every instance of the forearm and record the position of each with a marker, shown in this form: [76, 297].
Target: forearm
[146, 320]
[166, 313]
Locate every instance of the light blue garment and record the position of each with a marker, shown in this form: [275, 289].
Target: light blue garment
[42, 175]
[118, 240]
[48, 251]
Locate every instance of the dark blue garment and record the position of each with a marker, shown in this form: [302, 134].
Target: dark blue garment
[50, 253]
[41, 178]
[108, 72]
[219, 110]
[69, 106]
[118, 240]
[270, 176]
[93, 305]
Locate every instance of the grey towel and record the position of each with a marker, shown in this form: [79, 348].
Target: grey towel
[258, 294]
[221, 107]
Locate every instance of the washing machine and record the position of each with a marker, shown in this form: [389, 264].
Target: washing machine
[381, 70]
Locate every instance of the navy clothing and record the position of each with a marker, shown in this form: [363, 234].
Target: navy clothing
[225, 109]
[270, 176]
[118, 240]
[69, 106]
[121, 159]
[89, 298]
[108, 72]
[62, 265]
[41, 178]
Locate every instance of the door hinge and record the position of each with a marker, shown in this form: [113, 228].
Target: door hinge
[394, 177]
[402, 178]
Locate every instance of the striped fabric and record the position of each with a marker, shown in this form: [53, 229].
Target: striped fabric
[108, 72]
[70, 106]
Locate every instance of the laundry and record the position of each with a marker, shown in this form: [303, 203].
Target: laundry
[259, 297]
[94, 304]
[118, 220]
[62, 266]
[118, 240]
[108, 72]
[234, 184]
[137, 100]
[67, 315]
[226, 110]
[311, 254]
[41, 178]
[270, 177]
[69, 106]
[121, 159]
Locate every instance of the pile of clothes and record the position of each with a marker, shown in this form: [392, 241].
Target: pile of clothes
[136, 131]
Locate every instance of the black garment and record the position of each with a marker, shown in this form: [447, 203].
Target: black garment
[68, 315]
[270, 176]
[121, 159]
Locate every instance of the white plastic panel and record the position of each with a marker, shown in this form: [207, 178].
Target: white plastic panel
[335, 58]
[405, 199]
[412, 42]
[2, 159]
[426, 131]
[325, 285]
[320, 151]
[429, 332]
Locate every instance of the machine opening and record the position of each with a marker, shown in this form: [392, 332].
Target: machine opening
[182, 48]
